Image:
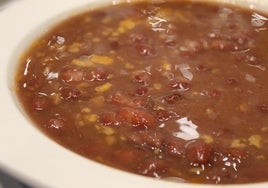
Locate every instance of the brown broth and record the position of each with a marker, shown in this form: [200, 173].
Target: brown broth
[167, 90]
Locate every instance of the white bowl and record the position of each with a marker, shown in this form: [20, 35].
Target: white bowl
[27, 153]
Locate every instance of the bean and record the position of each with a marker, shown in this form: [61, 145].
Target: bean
[40, 103]
[199, 153]
[71, 74]
[69, 93]
[137, 118]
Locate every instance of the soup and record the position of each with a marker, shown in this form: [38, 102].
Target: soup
[174, 90]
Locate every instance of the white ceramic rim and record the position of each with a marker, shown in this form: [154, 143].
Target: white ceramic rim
[27, 153]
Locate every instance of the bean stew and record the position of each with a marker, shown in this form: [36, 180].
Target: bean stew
[176, 90]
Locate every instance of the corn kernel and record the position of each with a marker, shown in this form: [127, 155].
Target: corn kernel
[104, 87]
[167, 66]
[129, 66]
[255, 140]
[82, 63]
[99, 59]
[108, 131]
[207, 139]
[157, 86]
[238, 143]
[75, 47]
[110, 140]
[92, 118]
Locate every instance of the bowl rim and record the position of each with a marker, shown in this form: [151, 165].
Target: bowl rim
[51, 165]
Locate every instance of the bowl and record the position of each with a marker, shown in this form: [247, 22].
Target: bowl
[27, 153]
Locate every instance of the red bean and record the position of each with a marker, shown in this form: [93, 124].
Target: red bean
[263, 108]
[153, 168]
[171, 99]
[124, 99]
[224, 45]
[141, 91]
[114, 45]
[98, 74]
[237, 153]
[142, 77]
[137, 118]
[33, 82]
[174, 147]
[191, 47]
[203, 68]
[231, 81]
[138, 38]
[199, 153]
[171, 43]
[142, 45]
[150, 138]
[40, 103]
[181, 86]
[56, 123]
[109, 118]
[163, 115]
[214, 93]
[71, 74]
[69, 93]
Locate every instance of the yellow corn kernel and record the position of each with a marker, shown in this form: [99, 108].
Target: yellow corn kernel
[167, 66]
[97, 127]
[238, 143]
[86, 110]
[104, 87]
[82, 63]
[126, 24]
[255, 140]
[157, 86]
[75, 47]
[99, 59]
[56, 98]
[99, 100]
[80, 123]
[107, 131]
[207, 139]
[91, 118]
[157, 151]
[110, 140]
[129, 66]
[96, 39]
